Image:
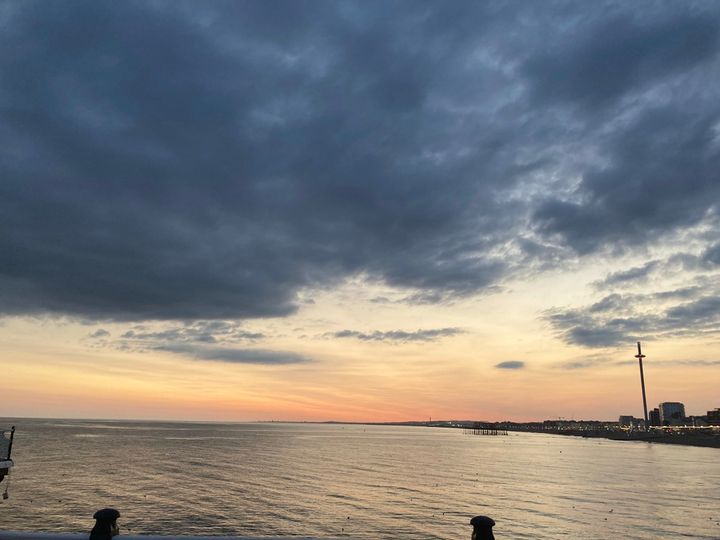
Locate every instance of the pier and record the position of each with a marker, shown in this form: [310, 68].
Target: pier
[480, 428]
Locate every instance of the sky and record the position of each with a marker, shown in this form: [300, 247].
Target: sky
[361, 211]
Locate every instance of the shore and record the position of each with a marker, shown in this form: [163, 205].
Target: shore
[687, 439]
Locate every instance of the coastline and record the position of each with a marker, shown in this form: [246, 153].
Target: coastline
[684, 438]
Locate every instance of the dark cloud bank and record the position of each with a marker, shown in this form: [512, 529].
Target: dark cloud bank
[175, 160]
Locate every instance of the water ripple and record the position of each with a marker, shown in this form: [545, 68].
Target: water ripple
[357, 481]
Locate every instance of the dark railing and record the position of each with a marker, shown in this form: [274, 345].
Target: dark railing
[6, 442]
[482, 530]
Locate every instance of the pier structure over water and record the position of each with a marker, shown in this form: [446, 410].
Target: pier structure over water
[481, 428]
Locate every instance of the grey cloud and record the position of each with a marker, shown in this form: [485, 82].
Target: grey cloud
[511, 364]
[235, 356]
[661, 176]
[197, 331]
[617, 304]
[398, 335]
[611, 333]
[696, 363]
[183, 170]
[183, 161]
[594, 328]
[584, 363]
[618, 54]
[638, 273]
[99, 333]
[671, 363]
[683, 293]
[200, 340]
[702, 311]
[613, 302]
[712, 254]
[623, 319]
[423, 298]
[595, 362]
[204, 340]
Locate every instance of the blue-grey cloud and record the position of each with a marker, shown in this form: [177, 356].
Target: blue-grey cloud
[196, 331]
[210, 161]
[430, 334]
[511, 364]
[712, 254]
[234, 356]
[219, 340]
[661, 177]
[630, 276]
[672, 363]
[702, 311]
[623, 319]
[615, 55]
[587, 362]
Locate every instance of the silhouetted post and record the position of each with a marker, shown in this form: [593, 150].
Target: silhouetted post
[640, 356]
[12, 436]
[105, 524]
[482, 528]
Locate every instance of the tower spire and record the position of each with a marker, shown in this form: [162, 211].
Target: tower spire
[640, 357]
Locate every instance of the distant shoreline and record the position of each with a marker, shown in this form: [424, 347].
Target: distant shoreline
[685, 439]
[703, 440]
[688, 438]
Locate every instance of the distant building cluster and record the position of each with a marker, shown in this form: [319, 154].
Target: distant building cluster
[671, 413]
[668, 413]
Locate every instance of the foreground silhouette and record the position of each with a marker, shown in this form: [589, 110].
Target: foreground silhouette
[105, 524]
[482, 528]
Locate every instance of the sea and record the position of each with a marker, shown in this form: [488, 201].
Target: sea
[354, 481]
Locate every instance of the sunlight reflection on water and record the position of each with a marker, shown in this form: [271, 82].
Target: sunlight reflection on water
[360, 481]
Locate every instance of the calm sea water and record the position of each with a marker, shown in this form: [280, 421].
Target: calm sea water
[356, 481]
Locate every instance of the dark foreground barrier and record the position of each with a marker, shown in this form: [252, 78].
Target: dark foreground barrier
[106, 527]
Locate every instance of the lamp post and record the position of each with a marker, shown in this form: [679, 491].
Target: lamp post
[640, 356]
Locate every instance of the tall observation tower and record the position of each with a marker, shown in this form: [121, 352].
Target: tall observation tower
[640, 356]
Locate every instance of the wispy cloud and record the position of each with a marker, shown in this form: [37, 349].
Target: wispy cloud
[398, 335]
[196, 331]
[627, 277]
[597, 362]
[222, 341]
[690, 310]
[235, 356]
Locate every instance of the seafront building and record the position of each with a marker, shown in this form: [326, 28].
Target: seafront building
[671, 412]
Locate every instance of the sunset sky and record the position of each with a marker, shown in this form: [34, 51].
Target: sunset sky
[366, 211]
